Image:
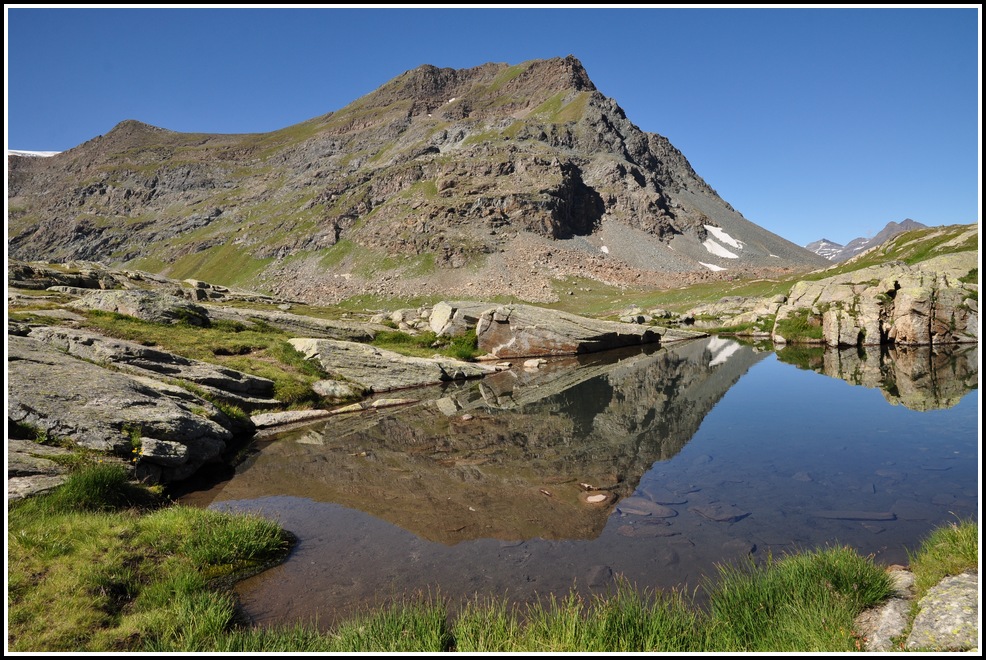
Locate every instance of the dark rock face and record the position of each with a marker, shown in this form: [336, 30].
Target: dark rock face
[497, 167]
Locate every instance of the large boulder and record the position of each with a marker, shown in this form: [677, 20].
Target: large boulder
[515, 331]
[146, 305]
[378, 370]
[453, 319]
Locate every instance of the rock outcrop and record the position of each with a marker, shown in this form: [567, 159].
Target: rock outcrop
[927, 303]
[377, 370]
[513, 331]
[224, 384]
[920, 288]
[69, 398]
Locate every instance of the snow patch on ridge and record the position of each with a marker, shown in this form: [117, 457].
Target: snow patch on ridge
[723, 237]
[35, 154]
[718, 250]
[711, 266]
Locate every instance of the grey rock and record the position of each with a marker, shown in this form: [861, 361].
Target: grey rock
[299, 325]
[718, 512]
[146, 305]
[337, 389]
[514, 331]
[164, 452]
[97, 408]
[643, 507]
[28, 486]
[136, 359]
[948, 616]
[453, 319]
[378, 370]
[893, 302]
[879, 625]
[26, 458]
[272, 419]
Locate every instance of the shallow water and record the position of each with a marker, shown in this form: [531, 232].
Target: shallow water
[707, 452]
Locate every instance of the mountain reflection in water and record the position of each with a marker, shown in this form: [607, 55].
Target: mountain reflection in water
[705, 452]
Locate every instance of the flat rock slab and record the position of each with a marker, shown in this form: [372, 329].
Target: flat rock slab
[304, 326]
[26, 457]
[717, 512]
[516, 331]
[378, 370]
[639, 506]
[855, 515]
[69, 398]
[137, 358]
[21, 487]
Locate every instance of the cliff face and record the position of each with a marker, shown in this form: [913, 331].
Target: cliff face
[499, 178]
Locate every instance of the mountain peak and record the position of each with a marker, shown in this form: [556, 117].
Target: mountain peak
[835, 252]
[519, 175]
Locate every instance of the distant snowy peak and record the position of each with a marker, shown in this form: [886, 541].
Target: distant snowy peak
[835, 252]
[826, 248]
[32, 154]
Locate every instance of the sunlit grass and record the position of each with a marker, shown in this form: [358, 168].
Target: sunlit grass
[949, 550]
[94, 566]
[100, 566]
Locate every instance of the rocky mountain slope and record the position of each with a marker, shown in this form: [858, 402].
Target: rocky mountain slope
[835, 252]
[497, 179]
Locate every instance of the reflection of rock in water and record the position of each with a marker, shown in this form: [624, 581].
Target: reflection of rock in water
[507, 458]
[917, 377]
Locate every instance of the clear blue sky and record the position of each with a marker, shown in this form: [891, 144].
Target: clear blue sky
[813, 122]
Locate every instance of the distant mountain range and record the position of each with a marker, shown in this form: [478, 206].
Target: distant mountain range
[501, 180]
[835, 252]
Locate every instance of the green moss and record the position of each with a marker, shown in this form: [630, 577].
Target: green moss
[801, 326]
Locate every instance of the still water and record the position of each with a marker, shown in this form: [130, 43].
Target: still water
[655, 465]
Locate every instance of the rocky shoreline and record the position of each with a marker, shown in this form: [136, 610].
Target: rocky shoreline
[168, 416]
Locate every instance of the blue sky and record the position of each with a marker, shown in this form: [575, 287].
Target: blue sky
[811, 121]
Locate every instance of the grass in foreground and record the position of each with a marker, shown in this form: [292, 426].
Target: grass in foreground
[94, 566]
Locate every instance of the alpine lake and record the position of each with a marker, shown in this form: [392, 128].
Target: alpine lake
[651, 466]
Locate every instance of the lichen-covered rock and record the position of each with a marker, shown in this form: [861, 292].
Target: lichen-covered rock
[100, 409]
[948, 616]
